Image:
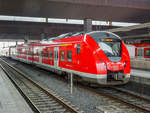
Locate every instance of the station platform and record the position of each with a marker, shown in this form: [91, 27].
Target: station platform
[11, 100]
[140, 76]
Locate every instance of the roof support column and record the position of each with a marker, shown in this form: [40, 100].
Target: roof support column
[149, 30]
[16, 43]
[26, 38]
[46, 20]
[43, 36]
[87, 25]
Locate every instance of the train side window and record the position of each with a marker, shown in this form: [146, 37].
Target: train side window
[147, 52]
[47, 54]
[28, 52]
[139, 52]
[62, 55]
[142, 52]
[37, 53]
[51, 54]
[78, 49]
[69, 56]
[43, 54]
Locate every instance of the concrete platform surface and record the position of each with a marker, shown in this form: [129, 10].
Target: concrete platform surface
[140, 73]
[140, 76]
[10, 99]
[140, 63]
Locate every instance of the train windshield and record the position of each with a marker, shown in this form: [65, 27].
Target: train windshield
[108, 42]
[111, 49]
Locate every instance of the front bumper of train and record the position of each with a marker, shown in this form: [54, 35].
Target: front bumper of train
[102, 80]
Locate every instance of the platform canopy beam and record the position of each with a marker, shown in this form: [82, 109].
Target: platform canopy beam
[87, 25]
[136, 11]
[26, 39]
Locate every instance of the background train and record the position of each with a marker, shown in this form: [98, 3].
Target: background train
[97, 57]
[140, 50]
[140, 55]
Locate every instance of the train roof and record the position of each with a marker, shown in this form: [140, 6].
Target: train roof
[66, 35]
[103, 34]
[92, 34]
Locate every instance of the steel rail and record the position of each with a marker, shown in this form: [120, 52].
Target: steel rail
[130, 94]
[66, 105]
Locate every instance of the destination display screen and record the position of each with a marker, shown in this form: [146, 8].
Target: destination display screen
[108, 40]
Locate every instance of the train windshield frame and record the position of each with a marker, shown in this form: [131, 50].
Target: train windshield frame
[108, 42]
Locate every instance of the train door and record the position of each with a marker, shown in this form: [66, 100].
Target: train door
[40, 54]
[56, 56]
[32, 55]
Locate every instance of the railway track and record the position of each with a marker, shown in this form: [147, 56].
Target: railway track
[132, 100]
[137, 103]
[41, 99]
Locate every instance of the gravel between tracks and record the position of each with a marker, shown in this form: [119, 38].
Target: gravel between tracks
[88, 102]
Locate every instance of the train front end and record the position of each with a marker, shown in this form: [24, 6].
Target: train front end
[113, 61]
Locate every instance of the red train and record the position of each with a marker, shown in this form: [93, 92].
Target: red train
[139, 50]
[142, 50]
[97, 57]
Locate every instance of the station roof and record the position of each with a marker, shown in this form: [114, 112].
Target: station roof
[18, 30]
[136, 11]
